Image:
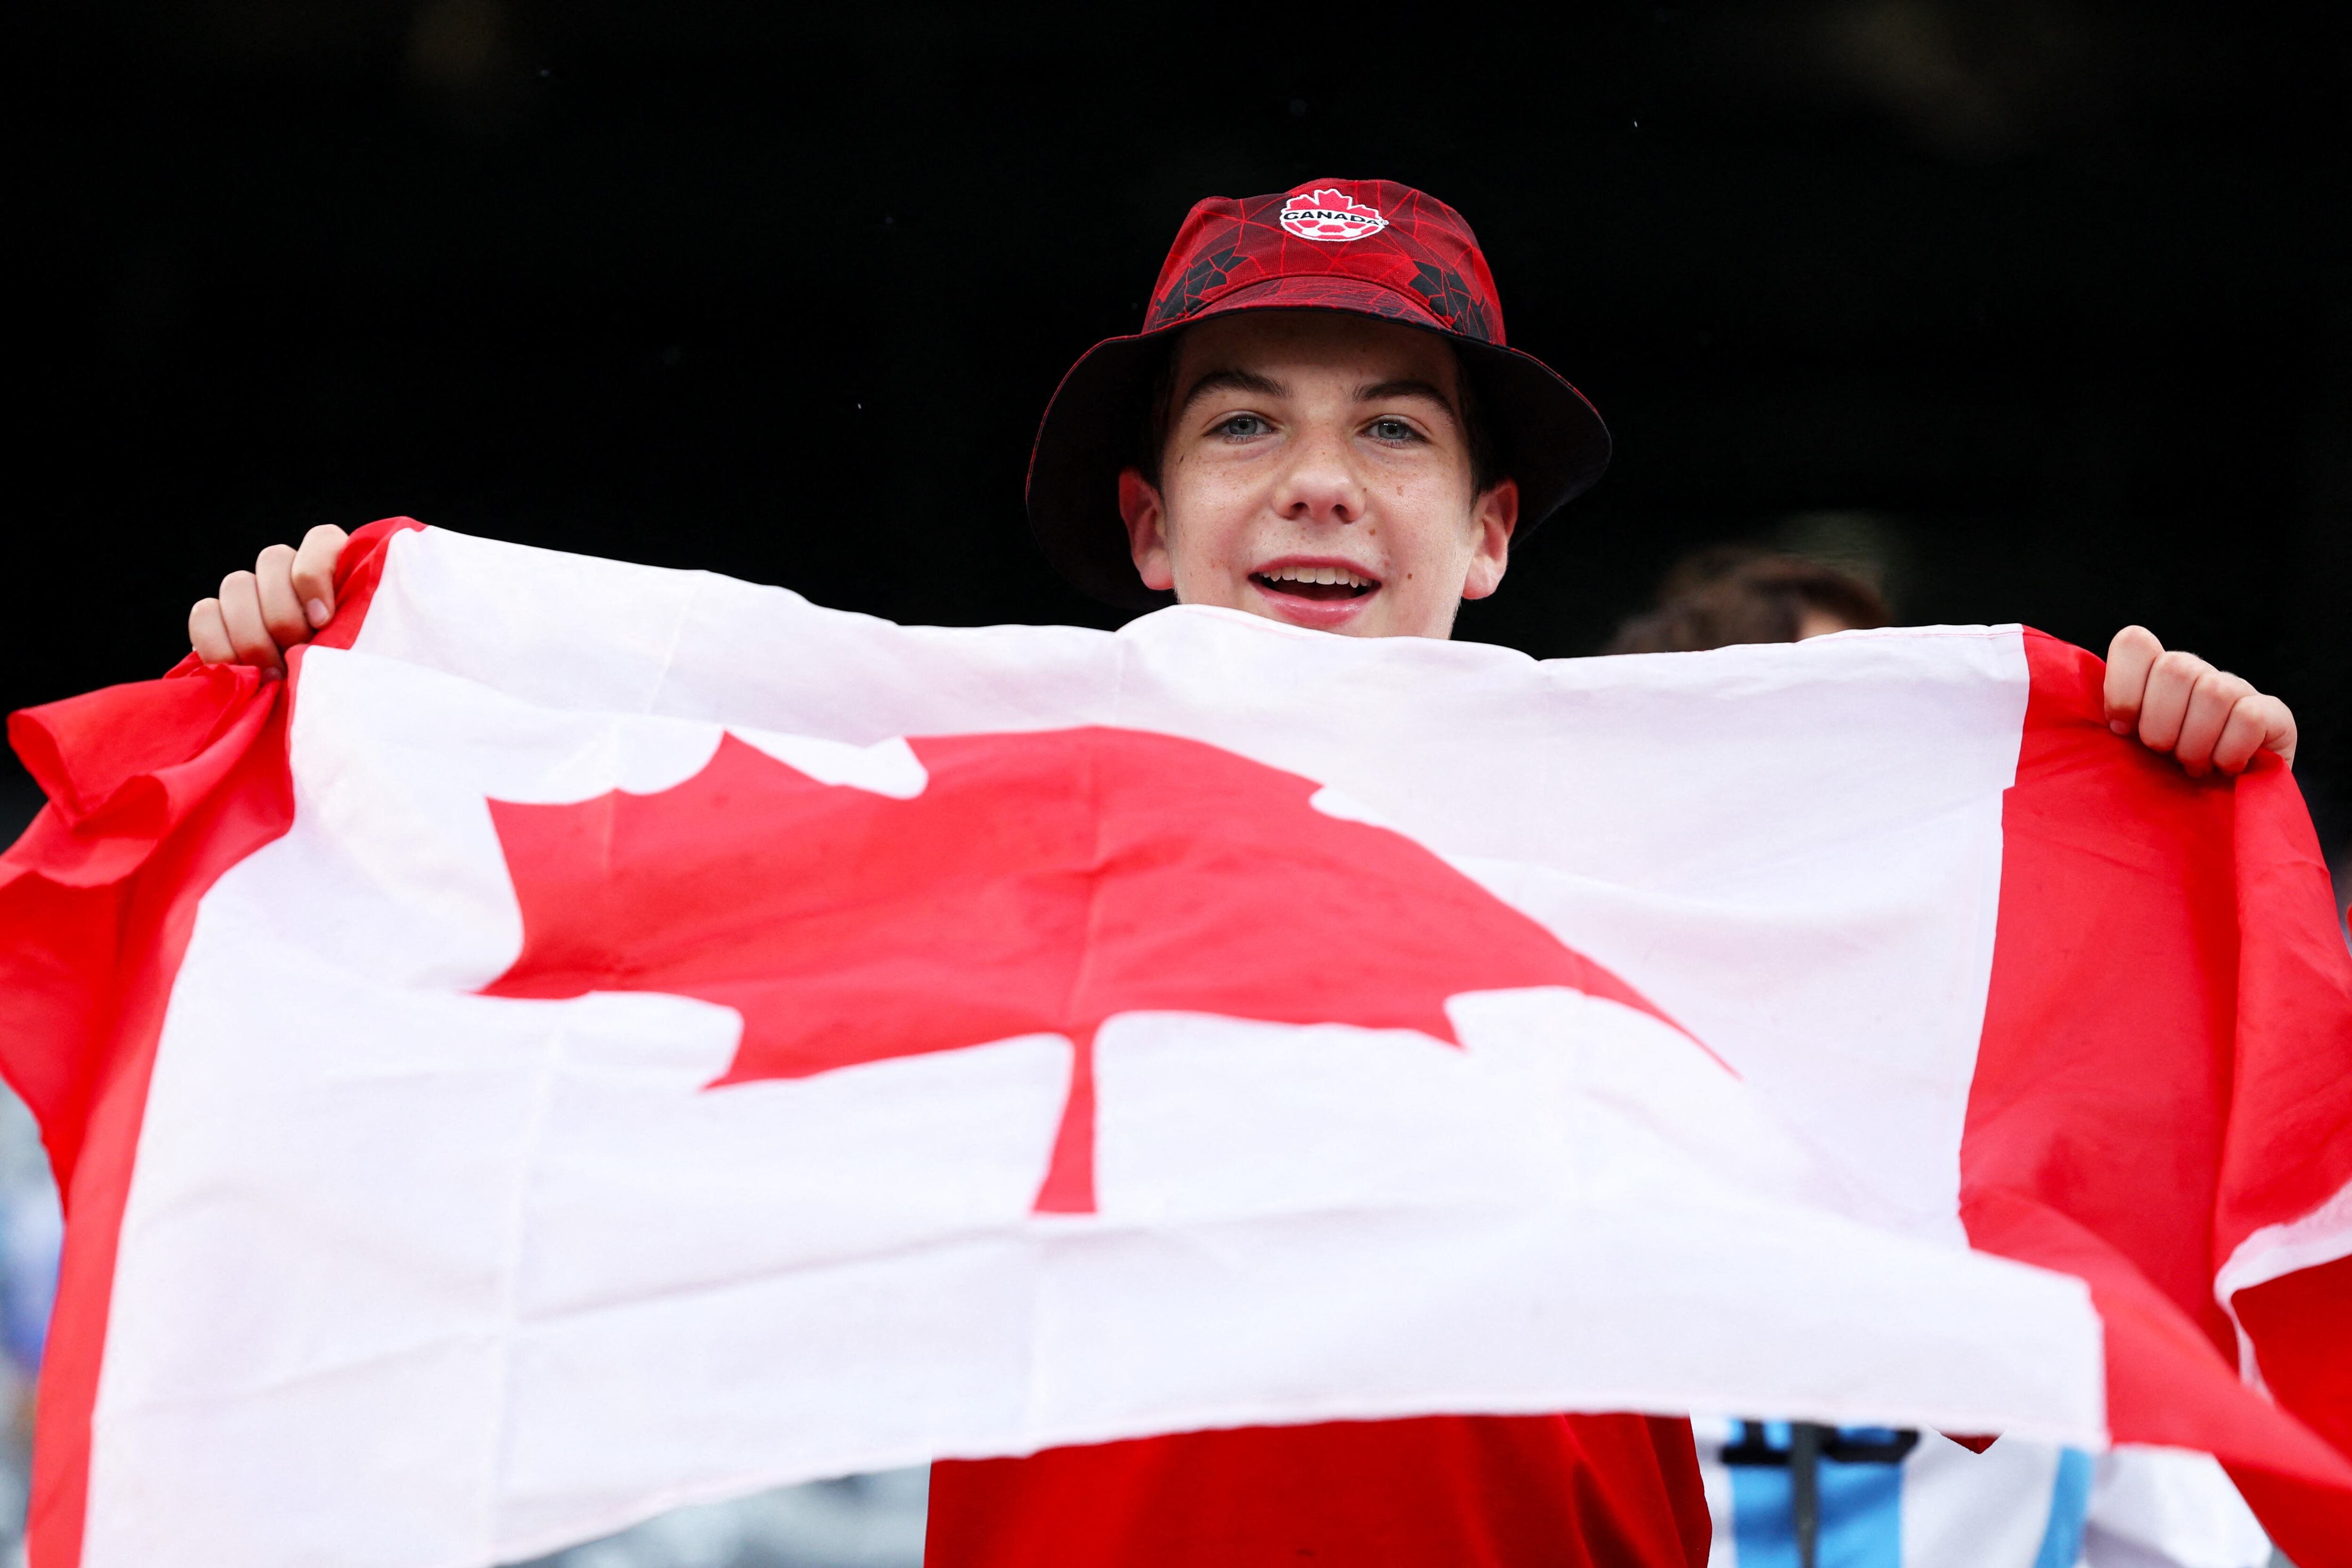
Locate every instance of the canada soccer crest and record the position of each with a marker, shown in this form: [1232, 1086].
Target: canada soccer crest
[1331, 215]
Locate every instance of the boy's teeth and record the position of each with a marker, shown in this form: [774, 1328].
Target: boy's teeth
[1329, 575]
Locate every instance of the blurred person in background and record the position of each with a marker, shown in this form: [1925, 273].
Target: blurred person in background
[1730, 594]
[1811, 1497]
[32, 1235]
[857, 1521]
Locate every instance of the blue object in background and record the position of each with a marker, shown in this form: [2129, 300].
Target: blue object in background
[1859, 1477]
[2070, 1504]
[1860, 1499]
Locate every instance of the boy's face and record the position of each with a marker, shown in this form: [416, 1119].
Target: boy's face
[1316, 472]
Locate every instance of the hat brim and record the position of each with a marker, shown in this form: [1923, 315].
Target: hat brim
[1547, 436]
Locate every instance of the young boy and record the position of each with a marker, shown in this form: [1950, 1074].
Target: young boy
[1320, 423]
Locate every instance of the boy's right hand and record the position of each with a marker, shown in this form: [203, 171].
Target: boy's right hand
[287, 595]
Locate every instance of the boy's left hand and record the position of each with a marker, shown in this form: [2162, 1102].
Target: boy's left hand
[2206, 718]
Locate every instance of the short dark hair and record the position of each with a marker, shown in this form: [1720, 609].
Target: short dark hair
[1486, 469]
[1737, 594]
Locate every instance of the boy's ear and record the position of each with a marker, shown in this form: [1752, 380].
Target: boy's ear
[1146, 529]
[1495, 515]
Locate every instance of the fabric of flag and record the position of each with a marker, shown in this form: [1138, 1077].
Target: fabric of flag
[595, 1038]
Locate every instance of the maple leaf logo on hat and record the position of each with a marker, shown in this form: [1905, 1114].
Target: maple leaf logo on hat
[1331, 215]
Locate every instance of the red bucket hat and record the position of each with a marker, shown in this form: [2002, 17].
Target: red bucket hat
[1369, 248]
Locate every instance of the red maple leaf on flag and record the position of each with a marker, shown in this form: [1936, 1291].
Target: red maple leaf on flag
[1039, 883]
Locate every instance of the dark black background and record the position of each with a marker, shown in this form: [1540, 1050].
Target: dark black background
[2044, 304]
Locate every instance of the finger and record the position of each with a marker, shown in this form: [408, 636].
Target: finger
[2130, 657]
[2242, 736]
[2212, 700]
[2257, 723]
[2278, 728]
[208, 634]
[281, 612]
[2165, 702]
[249, 636]
[314, 572]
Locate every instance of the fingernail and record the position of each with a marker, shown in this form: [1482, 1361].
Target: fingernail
[2120, 726]
[319, 613]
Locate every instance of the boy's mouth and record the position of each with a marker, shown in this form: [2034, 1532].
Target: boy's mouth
[1319, 583]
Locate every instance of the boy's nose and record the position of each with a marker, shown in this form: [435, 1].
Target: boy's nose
[1320, 485]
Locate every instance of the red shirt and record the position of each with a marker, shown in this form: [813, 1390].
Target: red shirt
[1460, 1491]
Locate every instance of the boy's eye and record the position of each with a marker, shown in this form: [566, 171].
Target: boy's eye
[1391, 430]
[1240, 426]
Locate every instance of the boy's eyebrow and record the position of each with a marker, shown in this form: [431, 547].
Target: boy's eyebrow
[1250, 381]
[1406, 387]
[1233, 381]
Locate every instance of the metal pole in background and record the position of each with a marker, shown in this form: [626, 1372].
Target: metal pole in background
[1805, 1488]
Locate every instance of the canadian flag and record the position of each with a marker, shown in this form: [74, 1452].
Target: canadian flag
[595, 1038]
